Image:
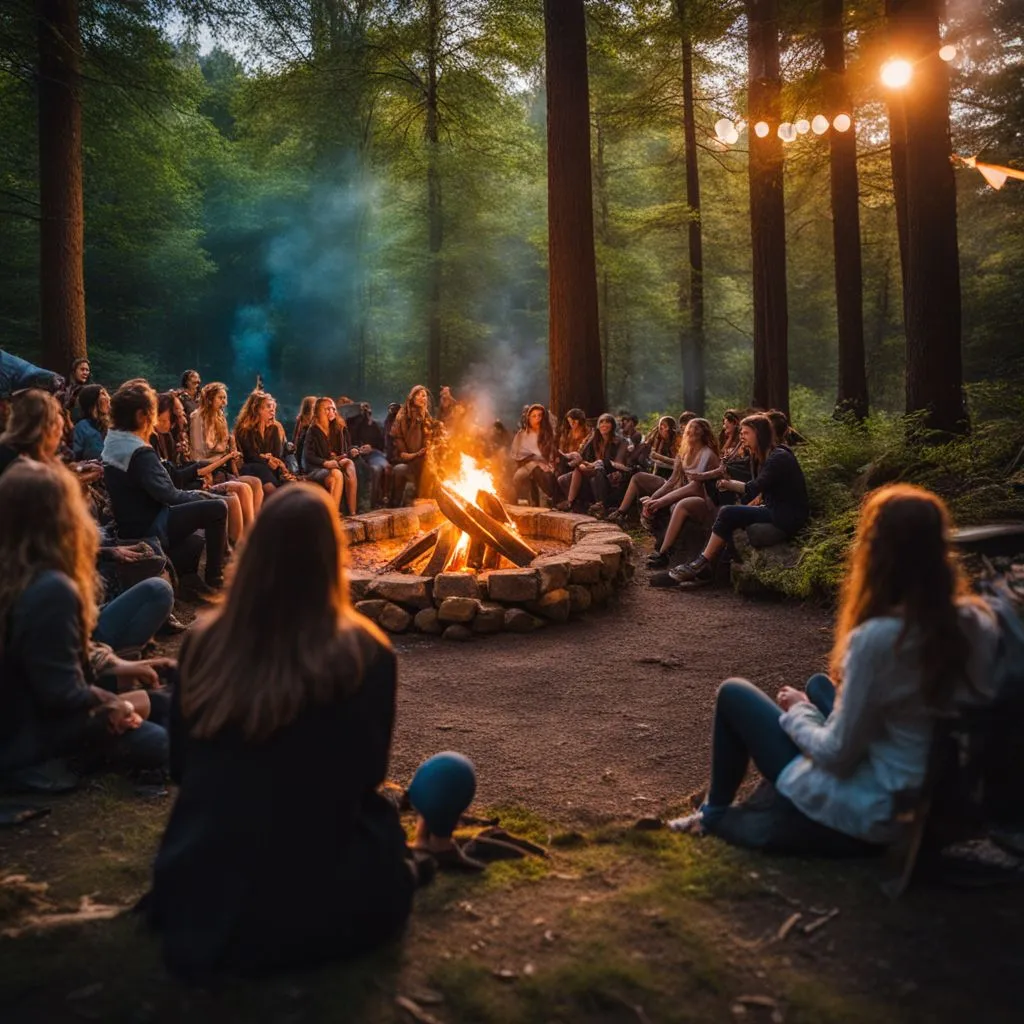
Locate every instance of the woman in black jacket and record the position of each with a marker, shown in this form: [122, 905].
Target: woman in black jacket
[280, 851]
[778, 482]
[144, 499]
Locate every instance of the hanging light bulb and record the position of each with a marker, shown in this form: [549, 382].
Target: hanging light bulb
[803, 126]
[948, 52]
[761, 129]
[896, 73]
[740, 126]
[723, 126]
[842, 122]
[733, 137]
[787, 132]
[820, 124]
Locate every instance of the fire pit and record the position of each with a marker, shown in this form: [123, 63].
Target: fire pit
[466, 565]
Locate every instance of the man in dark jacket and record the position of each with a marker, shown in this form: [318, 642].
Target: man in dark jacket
[370, 446]
[143, 497]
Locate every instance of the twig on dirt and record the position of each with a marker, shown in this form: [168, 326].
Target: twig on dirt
[787, 926]
[415, 1011]
[810, 929]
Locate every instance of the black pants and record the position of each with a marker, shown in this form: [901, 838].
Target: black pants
[210, 516]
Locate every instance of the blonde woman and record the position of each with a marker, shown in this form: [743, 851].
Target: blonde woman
[685, 492]
[54, 705]
[210, 438]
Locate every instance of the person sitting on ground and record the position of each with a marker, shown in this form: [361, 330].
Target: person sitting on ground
[189, 391]
[686, 491]
[663, 442]
[53, 705]
[571, 440]
[369, 442]
[93, 423]
[144, 499]
[600, 471]
[533, 454]
[910, 644]
[282, 684]
[412, 431]
[319, 463]
[78, 378]
[210, 438]
[780, 484]
[260, 439]
[627, 425]
[171, 444]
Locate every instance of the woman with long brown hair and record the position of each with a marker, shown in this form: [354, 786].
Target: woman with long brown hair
[778, 481]
[412, 433]
[599, 470]
[260, 439]
[533, 454]
[50, 619]
[685, 491]
[279, 742]
[910, 642]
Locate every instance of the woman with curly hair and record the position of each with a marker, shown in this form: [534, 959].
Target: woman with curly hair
[260, 439]
[412, 433]
[686, 492]
[210, 438]
[910, 644]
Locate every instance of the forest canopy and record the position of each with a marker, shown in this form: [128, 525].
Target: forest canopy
[314, 190]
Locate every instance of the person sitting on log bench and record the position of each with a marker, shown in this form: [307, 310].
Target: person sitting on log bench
[411, 433]
[911, 644]
[600, 472]
[319, 461]
[662, 443]
[533, 454]
[779, 482]
[280, 851]
[60, 686]
[370, 445]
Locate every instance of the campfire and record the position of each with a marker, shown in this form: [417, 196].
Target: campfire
[477, 533]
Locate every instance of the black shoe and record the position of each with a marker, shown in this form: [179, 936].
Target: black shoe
[700, 570]
[657, 560]
[172, 626]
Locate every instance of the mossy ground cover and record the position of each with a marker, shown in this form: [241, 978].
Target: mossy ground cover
[616, 925]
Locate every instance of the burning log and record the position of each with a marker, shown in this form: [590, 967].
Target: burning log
[413, 550]
[475, 556]
[492, 505]
[481, 526]
[447, 538]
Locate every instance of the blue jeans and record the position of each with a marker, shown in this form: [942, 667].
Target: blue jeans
[131, 619]
[746, 727]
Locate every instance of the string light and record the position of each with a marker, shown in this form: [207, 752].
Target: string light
[842, 122]
[787, 132]
[803, 126]
[819, 125]
[948, 52]
[761, 129]
[896, 73]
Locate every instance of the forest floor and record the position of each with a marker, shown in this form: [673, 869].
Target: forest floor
[576, 732]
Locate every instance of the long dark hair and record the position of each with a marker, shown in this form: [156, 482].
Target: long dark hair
[304, 644]
[903, 563]
[88, 399]
[667, 445]
[597, 440]
[570, 438]
[545, 435]
[762, 427]
[733, 417]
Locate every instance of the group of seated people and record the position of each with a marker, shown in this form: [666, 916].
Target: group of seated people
[282, 682]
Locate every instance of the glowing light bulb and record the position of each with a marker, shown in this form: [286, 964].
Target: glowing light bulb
[723, 126]
[948, 52]
[842, 122]
[761, 129]
[896, 73]
[803, 126]
[787, 132]
[733, 137]
[820, 124]
[740, 125]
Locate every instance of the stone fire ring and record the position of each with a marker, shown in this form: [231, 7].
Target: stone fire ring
[464, 605]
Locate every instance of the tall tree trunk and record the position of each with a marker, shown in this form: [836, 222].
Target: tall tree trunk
[931, 271]
[61, 235]
[603, 230]
[573, 338]
[434, 212]
[767, 209]
[852, 394]
[691, 291]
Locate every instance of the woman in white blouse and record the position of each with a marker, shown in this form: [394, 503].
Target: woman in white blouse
[910, 644]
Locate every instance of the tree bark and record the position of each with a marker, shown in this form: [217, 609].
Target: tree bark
[434, 211]
[62, 224]
[931, 260]
[852, 394]
[604, 308]
[573, 338]
[767, 209]
[691, 337]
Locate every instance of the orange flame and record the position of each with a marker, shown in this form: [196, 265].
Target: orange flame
[471, 479]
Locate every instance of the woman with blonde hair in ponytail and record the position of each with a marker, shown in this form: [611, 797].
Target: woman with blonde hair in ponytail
[910, 644]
